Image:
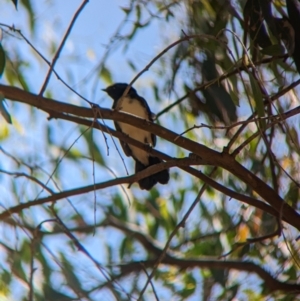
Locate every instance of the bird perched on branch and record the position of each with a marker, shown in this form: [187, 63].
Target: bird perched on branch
[136, 105]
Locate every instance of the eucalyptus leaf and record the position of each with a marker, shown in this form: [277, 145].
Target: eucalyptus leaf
[2, 60]
[3, 110]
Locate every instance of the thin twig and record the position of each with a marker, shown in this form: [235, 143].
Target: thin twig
[283, 116]
[23, 174]
[210, 157]
[98, 111]
[249, 241]
[151, 283]
[122, 180]
[270, 282]
[56, 56]
[60, 160]
[181, 224]
[272, 98]
[225, 127]
[203, 237]
[185, 38]
[218, 79]
[81, 248]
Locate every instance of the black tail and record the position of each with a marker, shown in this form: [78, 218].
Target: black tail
[160, 177]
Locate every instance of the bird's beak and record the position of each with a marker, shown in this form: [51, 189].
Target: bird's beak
[105, 90]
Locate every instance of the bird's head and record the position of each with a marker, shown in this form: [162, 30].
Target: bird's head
[115, 91]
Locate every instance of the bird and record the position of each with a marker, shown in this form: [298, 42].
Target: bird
[134, 104]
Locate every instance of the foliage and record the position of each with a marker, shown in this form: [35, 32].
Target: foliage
[223, 82]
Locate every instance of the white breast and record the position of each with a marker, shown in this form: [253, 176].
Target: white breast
[134, 107]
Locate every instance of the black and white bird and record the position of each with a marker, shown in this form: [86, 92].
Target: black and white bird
[134, 104]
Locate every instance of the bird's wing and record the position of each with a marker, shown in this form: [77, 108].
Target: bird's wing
[124, 145]
[153, 140]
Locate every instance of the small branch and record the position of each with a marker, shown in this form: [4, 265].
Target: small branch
[203, 237]
[218, 79]
[61, 46]
[81, 248]
[228, 127]
[87, 229]
[151, 283]
[207, 155]
[274, 97]
[185, 38]
[249, 241]
[243, 198]
[109, 132]
[60, 160]
[277, 119]
[12, 28]
[181, 224]
[136, 232]
[67, 193]
[22, 174]
[270, 283]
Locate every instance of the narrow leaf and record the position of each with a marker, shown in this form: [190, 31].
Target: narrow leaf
[2, 60]
[28, 5]
[106, 75]
[3, 110]
[273, 50]
[15, 2]
[258, 98]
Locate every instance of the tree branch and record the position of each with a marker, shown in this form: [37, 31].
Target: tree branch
[62, 45]
[271, 283]
[150, 245]
[68, 193]
[209, 156]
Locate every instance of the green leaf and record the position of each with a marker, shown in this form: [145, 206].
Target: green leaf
[257, 29]
[258, 99]
[28, 5]
[2, 60]
[119, 209]
[131, 65]
[292, 195]
[219, 275]
[25, 250]
[273, 50]
[208, 247]
[105, 75]
[94, 150]
[245, 250]
[126, 247]
[23, 81]
[138, 13]
[126, 10]
[3, 110]
[16, 266]
[15, 2]
[5, 281]
[217, 100]
[51, 294]
[73, 153]
[189, 285]
[68, 271]
[292, 137]
[234, 96]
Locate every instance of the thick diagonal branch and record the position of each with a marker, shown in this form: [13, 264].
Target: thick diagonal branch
[209, 156]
